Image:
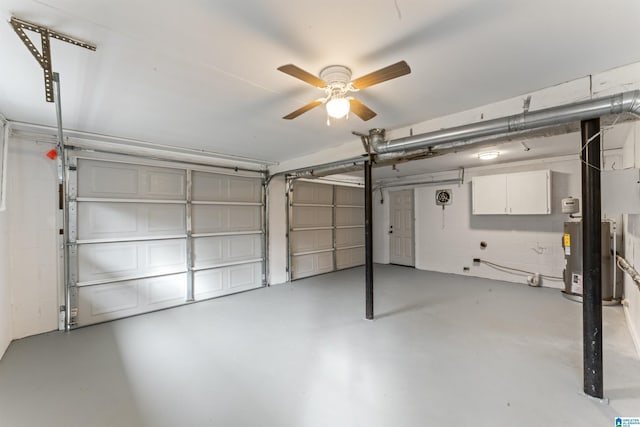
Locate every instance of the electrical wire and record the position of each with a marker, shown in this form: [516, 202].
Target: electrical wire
[600, 133]
[508, 269]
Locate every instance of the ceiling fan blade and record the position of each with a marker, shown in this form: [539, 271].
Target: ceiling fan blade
[361, 110]
[304, 109]
[303, 75]
[382, 75]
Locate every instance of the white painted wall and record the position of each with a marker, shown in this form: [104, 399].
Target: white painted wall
[449, 242]
[6, 333]
[31, 210]
[277, 231]
[631, 235]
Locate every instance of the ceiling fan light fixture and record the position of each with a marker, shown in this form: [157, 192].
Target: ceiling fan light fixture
[338, 107]
[335, 81]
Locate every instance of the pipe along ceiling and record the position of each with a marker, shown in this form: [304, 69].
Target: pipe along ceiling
[546, 122]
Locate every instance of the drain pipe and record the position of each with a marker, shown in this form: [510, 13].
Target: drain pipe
[510, 126]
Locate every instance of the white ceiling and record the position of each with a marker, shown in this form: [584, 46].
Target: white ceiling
[202, 74]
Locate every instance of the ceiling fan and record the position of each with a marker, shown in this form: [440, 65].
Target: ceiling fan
[335, 81]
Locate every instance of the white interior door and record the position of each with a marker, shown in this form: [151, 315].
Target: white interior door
[401, 250]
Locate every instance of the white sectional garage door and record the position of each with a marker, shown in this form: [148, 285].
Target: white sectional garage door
[326, 225]
[146, 237]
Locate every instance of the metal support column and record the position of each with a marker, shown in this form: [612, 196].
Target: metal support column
[368, 230]
[591, 259]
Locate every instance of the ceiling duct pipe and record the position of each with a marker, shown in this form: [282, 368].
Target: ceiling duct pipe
[344, 166]
[507, 127]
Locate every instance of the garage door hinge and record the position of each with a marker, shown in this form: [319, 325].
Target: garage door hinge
[73, 167]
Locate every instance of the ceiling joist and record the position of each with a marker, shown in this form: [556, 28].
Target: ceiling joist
[44, 56]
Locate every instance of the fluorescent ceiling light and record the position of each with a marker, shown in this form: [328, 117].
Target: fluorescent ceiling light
[488, 155]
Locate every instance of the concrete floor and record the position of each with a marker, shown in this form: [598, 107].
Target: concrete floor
[444, 350]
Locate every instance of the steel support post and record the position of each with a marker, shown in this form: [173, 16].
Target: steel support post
[368, 230]
[591, 259]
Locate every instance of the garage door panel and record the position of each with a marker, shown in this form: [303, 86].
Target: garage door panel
[165, 219]
[163, 184]
[346, 258]
[102, 179]
[132, 241]
[349, 216]
[226, 280]
[225, 188]
[107, 181]
[311, 264]
[217, 250]
[113, 298]
[326, 228]
[311, 216]
[103, 220]
[311, 240]
[111, 260]
[118, 260]
[164, 254]
[226, 218]
[349, 196]
[100, 303]
[349, 237]
[312, 193]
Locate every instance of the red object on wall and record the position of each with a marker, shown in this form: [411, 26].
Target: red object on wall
[52, 154]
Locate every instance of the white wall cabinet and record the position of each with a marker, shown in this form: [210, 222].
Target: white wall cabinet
[521, 193]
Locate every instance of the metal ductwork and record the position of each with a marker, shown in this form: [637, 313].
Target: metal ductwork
[326, 169]
[524, 124]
